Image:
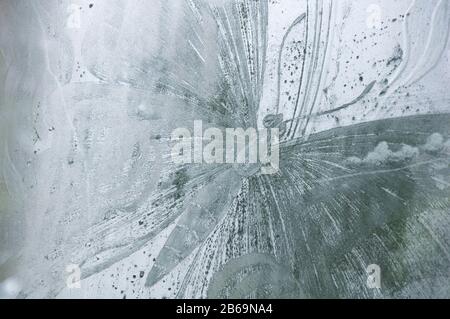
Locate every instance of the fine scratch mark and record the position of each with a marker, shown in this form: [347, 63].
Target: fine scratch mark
[196, 51]
[392, 193]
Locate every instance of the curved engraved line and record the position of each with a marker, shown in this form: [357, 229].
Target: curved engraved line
[262, 22]
[410, 80]
[406, 42]
[344, 106]
[296, 22]
[312, 66]
[237, 264]
[410, 76]
[303, 69]
[322, 68]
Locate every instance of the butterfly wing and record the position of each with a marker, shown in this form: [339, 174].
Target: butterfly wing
[373, 193]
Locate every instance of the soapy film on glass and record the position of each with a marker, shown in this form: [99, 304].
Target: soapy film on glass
[358, 92]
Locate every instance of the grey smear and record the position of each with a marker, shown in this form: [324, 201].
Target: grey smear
[90, 92]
